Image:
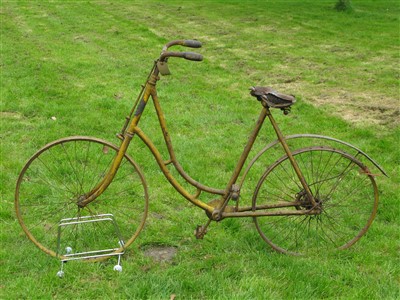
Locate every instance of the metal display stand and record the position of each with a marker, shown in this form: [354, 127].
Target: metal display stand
[69, 253]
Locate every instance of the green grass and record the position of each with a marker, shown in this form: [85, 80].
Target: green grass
[84, 62]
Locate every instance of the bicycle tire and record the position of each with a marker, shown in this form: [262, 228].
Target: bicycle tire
[49, 187]
[343, 188]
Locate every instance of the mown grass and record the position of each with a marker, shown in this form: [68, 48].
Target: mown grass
[83, 63]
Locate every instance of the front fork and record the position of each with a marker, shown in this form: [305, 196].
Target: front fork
[127, 137]
[307, 191]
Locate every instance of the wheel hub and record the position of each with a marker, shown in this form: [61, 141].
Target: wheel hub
[305, 202]
[80, 200]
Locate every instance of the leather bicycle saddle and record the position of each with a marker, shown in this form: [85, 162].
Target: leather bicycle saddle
[272, 97]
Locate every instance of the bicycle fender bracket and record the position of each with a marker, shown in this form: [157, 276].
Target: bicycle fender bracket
[163, 68]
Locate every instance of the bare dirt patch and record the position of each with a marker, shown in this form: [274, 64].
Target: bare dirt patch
[361, 108]
[160, 253]
[10, 115]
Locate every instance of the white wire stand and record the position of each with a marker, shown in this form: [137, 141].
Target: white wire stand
[87, 221]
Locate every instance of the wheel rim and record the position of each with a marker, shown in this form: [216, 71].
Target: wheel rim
[53, 180]
[342, 187]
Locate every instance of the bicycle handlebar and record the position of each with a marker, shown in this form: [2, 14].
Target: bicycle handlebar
[186, 43]
[186, 55]
[192, 56]
[192, 44]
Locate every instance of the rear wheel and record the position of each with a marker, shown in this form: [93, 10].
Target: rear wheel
[57, 176]
[345, 192]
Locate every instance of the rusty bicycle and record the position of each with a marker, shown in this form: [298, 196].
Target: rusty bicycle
[85, 198]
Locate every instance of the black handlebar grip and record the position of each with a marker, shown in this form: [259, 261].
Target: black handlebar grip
[192, 56]
[192, 44]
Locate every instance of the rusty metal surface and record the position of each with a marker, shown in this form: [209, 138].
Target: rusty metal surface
[232, 189]
[226, 201]
[271, 97]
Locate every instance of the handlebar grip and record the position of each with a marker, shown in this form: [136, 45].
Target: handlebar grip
[192, 44]
[192, 56]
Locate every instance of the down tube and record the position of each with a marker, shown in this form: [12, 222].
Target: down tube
[168, 174]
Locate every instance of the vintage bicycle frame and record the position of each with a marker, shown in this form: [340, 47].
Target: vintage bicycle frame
[219, 209]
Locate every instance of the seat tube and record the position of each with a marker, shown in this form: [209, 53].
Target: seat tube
[292, 160]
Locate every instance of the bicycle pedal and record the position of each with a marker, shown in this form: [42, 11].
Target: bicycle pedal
[200, 232]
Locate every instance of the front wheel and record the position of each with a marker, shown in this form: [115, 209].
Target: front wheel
[57, 176]
[343, 188]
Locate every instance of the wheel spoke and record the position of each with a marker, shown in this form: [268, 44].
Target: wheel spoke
[347, 201]
[51, 183]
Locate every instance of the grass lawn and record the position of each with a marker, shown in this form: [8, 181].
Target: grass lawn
[75, 68]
